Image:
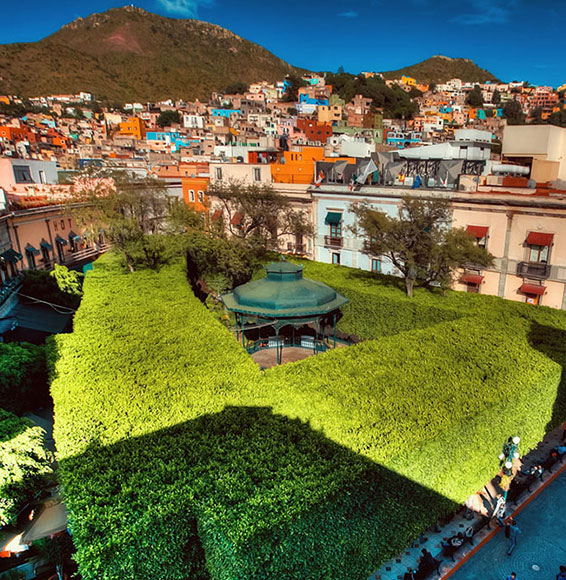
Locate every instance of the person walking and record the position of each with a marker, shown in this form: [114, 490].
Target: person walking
[512, 576]
[514, 531]
[499, 512]
[562, 574]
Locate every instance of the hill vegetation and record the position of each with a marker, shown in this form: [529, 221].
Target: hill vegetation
[180, 458]
[440, 69]
[130, 54]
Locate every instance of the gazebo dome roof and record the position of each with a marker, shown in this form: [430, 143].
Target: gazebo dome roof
[284, 293]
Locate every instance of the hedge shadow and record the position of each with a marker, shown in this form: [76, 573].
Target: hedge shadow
[242, 493]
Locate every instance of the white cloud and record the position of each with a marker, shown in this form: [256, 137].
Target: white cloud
[186, 8]
[348, 14]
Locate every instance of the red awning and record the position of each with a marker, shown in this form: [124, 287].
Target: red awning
[471, 279]
[217, 214]
[477, 231]
[237, 218]
[532, 289]
[539, 239]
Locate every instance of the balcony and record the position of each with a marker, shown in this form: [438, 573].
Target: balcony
[533, 270]
[332, 242]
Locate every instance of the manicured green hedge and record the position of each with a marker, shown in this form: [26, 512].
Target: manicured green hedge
[180, 459]
[24, 463]
[23, 377]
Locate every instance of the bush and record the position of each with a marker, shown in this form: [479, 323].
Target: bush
[24, 464]
[180, 458]
[42, 285]
[23, 377]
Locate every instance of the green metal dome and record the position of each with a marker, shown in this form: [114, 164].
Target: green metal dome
[284, 293]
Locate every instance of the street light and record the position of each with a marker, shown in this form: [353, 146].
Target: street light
[509, 453]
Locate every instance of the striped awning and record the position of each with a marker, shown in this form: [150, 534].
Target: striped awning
[474, 279]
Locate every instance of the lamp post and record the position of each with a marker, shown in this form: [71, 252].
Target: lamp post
[507, 456]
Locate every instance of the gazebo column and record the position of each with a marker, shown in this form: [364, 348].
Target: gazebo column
[334, 330]
[242, 331]
[277, 343]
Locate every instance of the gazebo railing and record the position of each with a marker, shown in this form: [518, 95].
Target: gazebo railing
[307, 342]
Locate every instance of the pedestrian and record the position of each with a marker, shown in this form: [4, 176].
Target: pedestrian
[562, 574]
[514, 531]
[472, 505]
[499, 512]
[512, 576]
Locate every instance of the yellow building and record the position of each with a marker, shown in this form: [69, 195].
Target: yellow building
[133, 127]
[409, 81]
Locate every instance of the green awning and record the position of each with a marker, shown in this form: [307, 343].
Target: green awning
[46, 245]
[333, 217]
[32, 250]
[61, 241]
[11, 256]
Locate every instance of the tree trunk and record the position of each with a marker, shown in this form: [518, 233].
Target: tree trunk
[409, 283]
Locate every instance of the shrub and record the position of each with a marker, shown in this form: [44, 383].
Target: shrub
[24, 464]
[181, 459]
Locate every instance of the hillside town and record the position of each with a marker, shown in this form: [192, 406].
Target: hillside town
[489, 148]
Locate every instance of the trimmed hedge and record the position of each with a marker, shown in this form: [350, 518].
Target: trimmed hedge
[24, 463]
[181, 459]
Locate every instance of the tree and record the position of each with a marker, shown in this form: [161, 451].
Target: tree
[258, 214]
[513, 112]
[136, 214]
[536, 114]
[419, 243]
[475, 98]
[496, 97]
[292, 92]
[168, 118]
[68, 281]
[24, 466]
[558, 118]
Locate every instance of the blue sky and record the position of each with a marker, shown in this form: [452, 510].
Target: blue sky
[514, 39]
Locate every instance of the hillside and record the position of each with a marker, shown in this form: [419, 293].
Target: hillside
[439, 69]
[128, 53]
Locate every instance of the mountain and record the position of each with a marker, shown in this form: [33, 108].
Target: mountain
[130, 54]
[439, 69]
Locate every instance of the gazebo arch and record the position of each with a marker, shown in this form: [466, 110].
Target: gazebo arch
[284, 298]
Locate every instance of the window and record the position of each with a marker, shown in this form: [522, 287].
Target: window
[62, 224]
[42, 176]
[376, 265]
[201, 196]
[219, 173]
[257, 174]
[22, 174]
[31, 260]
[45, 254]
[55, 227]
[538, 254]
[335, 258]
[336, 230]
[191, 195]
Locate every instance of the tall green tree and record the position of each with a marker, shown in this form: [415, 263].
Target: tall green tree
[419, 242]
[496, 97]
[513, 112]
[475, 98]
[168, 118]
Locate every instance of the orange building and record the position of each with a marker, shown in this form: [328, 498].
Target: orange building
[195, 178]
[133, 127]
[297, 166]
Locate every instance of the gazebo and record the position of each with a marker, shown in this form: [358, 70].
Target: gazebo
[285, 299]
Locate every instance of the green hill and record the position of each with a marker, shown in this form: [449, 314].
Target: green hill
[439, 69]
[130, 54]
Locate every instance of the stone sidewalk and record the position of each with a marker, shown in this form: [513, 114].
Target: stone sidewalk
[430, 540]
